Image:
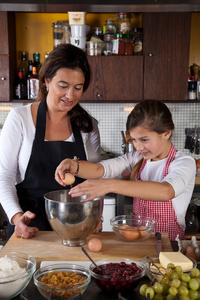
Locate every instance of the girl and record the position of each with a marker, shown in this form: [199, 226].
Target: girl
[162, 178]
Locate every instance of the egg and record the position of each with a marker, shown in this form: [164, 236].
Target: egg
[69, 179]
[142, 231]
[122, 227]
[189, 249]
[131, 234]
[94, 245]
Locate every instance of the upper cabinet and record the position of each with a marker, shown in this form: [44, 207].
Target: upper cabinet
[7, 55]
[166, 55]
[115, 78]
[160, 73]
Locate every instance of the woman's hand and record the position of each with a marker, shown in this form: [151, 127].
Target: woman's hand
[22, 230]
[92, 188]
[67, 165]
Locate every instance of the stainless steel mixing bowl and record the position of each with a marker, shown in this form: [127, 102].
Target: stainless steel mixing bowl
[71, 219]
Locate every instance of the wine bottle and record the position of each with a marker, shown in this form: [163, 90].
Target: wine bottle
[33, 84]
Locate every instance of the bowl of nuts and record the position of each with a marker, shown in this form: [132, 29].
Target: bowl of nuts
[117, 275]
[62, 281]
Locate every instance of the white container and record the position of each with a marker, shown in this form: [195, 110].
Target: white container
[79, 42]
[79, 30]
[108, 212]
[77, 17]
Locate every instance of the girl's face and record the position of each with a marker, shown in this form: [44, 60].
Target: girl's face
[150, 144]
[65, 89]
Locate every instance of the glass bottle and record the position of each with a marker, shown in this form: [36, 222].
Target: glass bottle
[108, 44]
[109, 27]
[137, 41]
[123, 23]
[36, 61]
[33, 85]
[198, 87]
[192, 90]
[20, 86]
[23, 66]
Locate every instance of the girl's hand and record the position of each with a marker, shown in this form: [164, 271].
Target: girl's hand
[93, 188]
[67, 165]
[22, 230]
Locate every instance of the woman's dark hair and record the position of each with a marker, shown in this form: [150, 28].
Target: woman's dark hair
[154, 115]
[70, 57]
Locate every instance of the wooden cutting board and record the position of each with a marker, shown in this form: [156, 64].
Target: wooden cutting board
[47, 245]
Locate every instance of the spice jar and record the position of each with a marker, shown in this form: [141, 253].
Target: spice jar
[137, 41]
[129, 44]
[123, 23]
[57, 33]
[119, 44]
[108, 44]
[109, 27]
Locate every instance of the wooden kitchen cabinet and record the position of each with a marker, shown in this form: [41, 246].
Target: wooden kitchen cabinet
[115, 78]
[166, 44]
[7, 55]
[161, 73]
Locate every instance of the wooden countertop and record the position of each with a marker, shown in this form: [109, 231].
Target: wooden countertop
[47, 245]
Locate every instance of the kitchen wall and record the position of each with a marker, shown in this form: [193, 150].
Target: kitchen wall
[112, 119]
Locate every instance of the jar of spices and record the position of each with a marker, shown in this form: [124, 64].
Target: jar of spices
[123, 23]
[58, 33]
[137, 41]
[119, 44]
[129, 44]
[109, 27]
[108, 44]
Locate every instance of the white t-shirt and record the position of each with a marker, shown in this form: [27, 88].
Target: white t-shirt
[15, 149]
[181, 176]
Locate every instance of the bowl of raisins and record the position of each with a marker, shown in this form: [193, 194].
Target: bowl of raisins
[118, 274]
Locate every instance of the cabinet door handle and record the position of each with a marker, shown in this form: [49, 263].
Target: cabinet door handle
[98, 95]
[150, 54]
[3, 78]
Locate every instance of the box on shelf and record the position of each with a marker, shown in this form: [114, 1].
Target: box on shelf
[77, 17]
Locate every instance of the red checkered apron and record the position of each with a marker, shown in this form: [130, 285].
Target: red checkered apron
[162, 212]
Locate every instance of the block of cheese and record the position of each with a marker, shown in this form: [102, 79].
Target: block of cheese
[177, 258]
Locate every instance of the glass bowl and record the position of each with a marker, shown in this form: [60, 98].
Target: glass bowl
[16, 270]
[151, 263]
[117, 274]
[73, 279]
[132, 229]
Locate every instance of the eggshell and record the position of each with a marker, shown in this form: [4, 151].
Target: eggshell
[94, 245]
[69, 179]
[142, 231]
[122, 227]
[131, 234]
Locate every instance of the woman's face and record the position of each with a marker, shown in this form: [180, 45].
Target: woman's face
[150, 144]
[65, 89]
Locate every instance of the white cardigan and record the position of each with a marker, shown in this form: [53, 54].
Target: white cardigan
[15, 149]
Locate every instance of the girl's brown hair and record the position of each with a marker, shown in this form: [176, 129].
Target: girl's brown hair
[70, 57]
[154, 115]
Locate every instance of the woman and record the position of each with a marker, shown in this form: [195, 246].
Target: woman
[162, 177]
[36, 137]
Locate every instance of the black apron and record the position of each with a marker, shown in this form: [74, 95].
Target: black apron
[39, 177]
